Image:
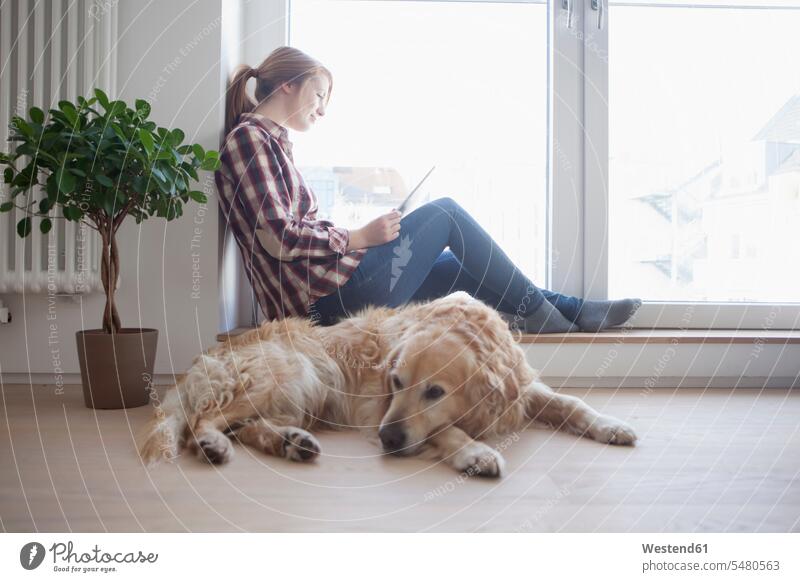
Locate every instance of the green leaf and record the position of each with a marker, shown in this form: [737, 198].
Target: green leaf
[27, 176]
[102, 98]
[122, 200]
[198, 196]
[8, 175]
[169, 172]
[65, 181]
[118, 130]
[104, 180]
[69, 110]
[72, 213]
[142, 108]
[24, 227]
[210, 165]
[52, 188]
[173, 210]
[45, 225]
[110, 202]
[163, 186]
[58, 119]
[27, 149]
[158, 174]
[199, 152]
[176, 136]
[162, 206]
[37, 115]
[140, 184]
[44, 205]
[181, 183]
[6, 206]
[116, 108]
[147, 141]
[21, 126]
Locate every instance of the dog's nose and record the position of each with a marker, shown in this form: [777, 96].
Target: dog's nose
[393, 437]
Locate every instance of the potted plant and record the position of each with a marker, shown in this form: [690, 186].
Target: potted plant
[101, 167]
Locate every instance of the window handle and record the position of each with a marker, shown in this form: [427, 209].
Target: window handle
[600, 8]
[567, 5]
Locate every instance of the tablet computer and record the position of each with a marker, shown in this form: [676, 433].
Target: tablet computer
[406, 203]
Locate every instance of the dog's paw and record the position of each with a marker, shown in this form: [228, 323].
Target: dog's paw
[607, 429]
[478, 459]
[300, 445]
[214, 448]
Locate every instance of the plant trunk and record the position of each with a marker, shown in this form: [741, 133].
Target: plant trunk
[108, 273]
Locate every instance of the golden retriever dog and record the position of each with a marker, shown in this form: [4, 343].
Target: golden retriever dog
[430, 379]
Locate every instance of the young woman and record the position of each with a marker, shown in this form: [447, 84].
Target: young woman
[303, 266]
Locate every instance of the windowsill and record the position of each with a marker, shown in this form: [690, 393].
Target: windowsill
[668, 336]
[643, 336]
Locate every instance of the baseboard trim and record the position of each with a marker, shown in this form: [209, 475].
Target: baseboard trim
[73, 379]
[648, 383]
[644, 383]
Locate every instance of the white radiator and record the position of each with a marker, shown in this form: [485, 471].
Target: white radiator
[49, 51]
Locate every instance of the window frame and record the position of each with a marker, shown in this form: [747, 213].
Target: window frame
[652, 314]
[578, 170]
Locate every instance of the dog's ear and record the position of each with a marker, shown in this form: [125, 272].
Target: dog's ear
[499, 382]
[492, 371]
[390, 364]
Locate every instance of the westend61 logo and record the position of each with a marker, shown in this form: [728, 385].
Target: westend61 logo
[65, 559]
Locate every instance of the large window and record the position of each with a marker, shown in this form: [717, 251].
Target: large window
[459, 85]
[704, 116]
[647, 149]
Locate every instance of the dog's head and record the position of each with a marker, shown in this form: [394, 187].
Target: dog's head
[448, 373]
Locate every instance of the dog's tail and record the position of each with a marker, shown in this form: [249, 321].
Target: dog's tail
[163, 436]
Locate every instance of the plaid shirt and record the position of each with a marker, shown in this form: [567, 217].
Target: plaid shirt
[290, 257]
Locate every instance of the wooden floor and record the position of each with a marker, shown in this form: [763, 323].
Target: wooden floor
[714, 460]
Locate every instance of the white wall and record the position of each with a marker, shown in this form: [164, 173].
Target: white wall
[169, 54]
[237, 305]
[251, 30]
[265, 27]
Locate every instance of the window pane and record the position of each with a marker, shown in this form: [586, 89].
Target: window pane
[462, 86]
[705, 153]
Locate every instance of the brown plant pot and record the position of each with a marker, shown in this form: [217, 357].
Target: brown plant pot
[117, 369]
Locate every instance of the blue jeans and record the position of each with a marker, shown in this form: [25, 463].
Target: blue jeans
[416, 266]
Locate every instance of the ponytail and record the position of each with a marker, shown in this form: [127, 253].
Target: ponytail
[237, 99]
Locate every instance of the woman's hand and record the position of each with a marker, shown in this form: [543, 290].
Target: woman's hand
[381, 230]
